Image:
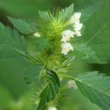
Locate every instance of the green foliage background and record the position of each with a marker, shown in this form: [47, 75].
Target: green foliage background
[12, 86]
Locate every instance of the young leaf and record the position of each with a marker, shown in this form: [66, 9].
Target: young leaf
[45, 15]
[95, 87]
[11, 43]
[23, 26]
[66, 13]
[50, 91]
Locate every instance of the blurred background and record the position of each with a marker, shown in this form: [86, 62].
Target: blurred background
[13, 90]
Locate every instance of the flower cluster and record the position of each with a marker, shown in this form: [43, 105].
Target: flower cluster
[68, 34]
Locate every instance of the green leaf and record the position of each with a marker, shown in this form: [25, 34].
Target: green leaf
[45, 15]
[88, 12]
[11, 43]
[66, 13]
[5, 97]
[19, 7]
[85, 53]
[95, 87]
[32, 72]
[23, 26]
[96, 35]
[50, 91]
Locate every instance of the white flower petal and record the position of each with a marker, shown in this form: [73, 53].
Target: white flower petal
[37, 34]
[71, 84]
[76, 17]
[66, 35]
[78, 26]
[66, 48]
[52, 108]
[78, 33]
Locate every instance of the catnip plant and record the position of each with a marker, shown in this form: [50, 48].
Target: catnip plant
[57, 39]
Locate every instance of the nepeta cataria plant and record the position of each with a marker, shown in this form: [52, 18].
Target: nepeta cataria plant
[56, 41]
